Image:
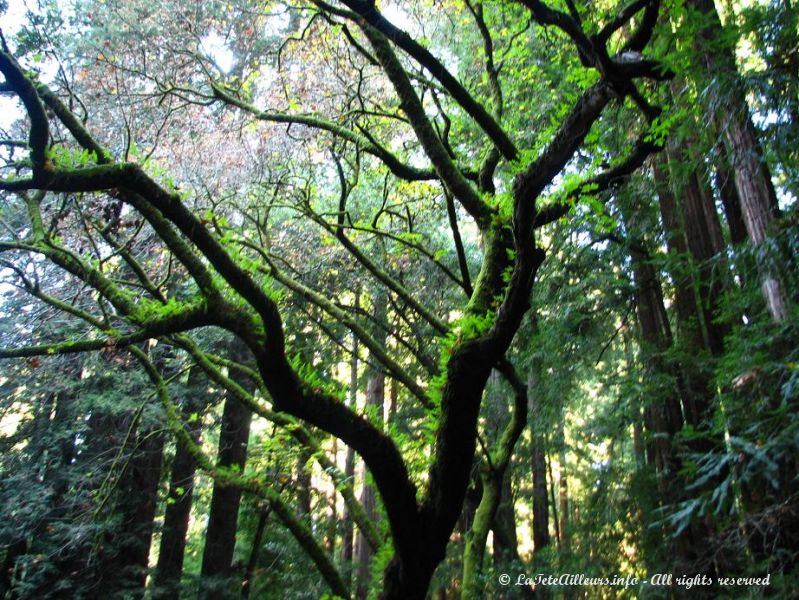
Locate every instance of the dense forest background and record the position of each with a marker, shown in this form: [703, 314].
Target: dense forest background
[402, 300]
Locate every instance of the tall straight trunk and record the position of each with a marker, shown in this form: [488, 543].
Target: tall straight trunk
[563, 494]
[375, 398]
[169, 569]
[663, 417]
[752, 179]
[693, 234]
[220, 535]
[639, 447]
[303, 483]
[541, 537]
[693, 238]
[131, 487]
[725, 182]
[139, 494]
[255, 553]
[347, 532]
[553, 504]
[375, 407]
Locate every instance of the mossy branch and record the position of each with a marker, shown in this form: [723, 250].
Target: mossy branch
[378, 350]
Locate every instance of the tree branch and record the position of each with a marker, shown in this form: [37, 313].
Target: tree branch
[367, 10]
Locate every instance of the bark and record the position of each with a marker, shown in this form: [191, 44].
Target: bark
[127, 572]
[347, 533]
[663, 413]
[304, 500]
[506, 544]
[220, 535]
[255, 553]
[752, 180]
[169, 569]
[553, 505]
[375, 395]
[493, 472]
[694, 240]
[563, 501]
[541, 537]
[725, 182]
[690, 224]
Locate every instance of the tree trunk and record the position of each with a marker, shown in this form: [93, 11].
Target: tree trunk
[169, 570]
[752, 180]
[304, 499]
[375, 397]
[663, 414]
[541, 537]
[725, 182]
[138, 501]
[347, 532]
[494, 477]
[506, 543]
[255, 553]
[563, 503]
[375, 409]
[220, 535]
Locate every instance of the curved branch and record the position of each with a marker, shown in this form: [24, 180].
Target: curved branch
[606, 180]
[39, 136]
[433, 147]
[397, 167]
[369, 13]
[377, 350]
[296, 429]
[167, 326]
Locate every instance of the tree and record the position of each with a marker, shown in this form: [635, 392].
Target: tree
[220, 203]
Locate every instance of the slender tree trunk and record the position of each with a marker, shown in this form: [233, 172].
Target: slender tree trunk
[255, 553]
[563, 502]
[663, 414]
[553, 504]
[541, 537]
[139, 495]
[220, 535]
[169, 569]
[347, 532]
[692, 230]
[493, 472]
[725, 182]
[506, 543]
[375, 397]
[304, 499]
[375, 408]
